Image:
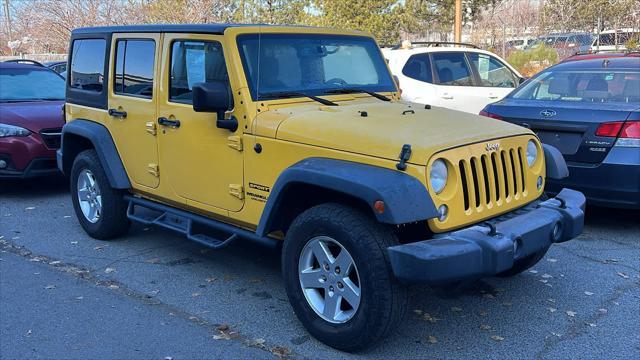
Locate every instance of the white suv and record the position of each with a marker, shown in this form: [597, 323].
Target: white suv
[452, 75]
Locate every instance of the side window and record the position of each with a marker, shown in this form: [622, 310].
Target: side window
[87, 64]
[418, 67]
[493, 72]
[452, 69]
[134, 68]
[193, 62]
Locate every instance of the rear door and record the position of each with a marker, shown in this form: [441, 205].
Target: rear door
[133, 98]
[566, 109]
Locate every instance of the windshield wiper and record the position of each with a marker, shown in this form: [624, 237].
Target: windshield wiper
[290, 94]
[356, 90]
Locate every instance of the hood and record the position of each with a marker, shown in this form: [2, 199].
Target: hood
[386, 127]
[34, 116]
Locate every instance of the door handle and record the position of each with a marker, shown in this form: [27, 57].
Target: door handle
[117, 113]
[447, 96]
[166, 122]
[492, 96]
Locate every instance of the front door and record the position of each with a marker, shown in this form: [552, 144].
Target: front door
[456, 87]
[201, 163]
[133, 97]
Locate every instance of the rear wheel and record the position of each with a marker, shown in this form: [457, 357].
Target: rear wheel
[338, 278]
[101, 210]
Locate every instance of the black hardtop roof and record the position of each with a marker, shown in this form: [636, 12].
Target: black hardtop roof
[155, 28]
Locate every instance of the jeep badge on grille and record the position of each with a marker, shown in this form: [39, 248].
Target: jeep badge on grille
[492, 146]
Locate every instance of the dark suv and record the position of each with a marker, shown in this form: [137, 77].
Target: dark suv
[31, 119]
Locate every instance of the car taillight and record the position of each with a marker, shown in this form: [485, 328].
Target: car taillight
[491, 115]
[628, 133]
[609, 129]
[631, 130]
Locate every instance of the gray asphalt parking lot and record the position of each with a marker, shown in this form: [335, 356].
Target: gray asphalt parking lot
[153, 294]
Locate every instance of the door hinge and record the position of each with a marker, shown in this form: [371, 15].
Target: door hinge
[236, 190]
[235, 142]
[151, 127]
[153, 169]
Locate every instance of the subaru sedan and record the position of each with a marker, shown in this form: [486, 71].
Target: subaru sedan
[589, 110]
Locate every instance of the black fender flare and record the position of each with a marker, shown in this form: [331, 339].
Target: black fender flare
[102, 142]
[556, 167]
[406, 199]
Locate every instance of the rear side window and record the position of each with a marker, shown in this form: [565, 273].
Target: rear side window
[492, 72]
[418, 67]
[134, 68]
[87, 64]
[452, 69]
[193, 62]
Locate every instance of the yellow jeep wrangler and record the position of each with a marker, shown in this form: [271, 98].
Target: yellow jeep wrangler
[296, 137]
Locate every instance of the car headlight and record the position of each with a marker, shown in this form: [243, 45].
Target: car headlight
[11, 130]
[438, 175]
[532, 152]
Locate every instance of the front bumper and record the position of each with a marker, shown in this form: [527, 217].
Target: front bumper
[492, 247]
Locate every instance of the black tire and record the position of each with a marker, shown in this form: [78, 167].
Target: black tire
[524, 263]
[113, 220]
[383, 301]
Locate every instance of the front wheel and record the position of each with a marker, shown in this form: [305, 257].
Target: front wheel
[338, 277]
[101, 210]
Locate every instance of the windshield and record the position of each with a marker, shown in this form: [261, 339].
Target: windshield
[607, 86]
[312, 64]
[30, 84]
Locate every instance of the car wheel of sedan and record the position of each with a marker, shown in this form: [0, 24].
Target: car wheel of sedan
[338, 277]
[101, 210]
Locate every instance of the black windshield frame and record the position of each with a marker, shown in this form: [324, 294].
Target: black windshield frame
[385, 80]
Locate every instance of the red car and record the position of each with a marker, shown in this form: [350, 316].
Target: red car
[31, 119]
[600, 55]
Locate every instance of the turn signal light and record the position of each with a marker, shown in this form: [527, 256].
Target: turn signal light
[378, 206]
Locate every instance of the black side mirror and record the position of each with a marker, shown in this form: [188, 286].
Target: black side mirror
[215, 97]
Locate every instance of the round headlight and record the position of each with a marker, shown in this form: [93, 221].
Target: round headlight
[532, 152]
[438, 175]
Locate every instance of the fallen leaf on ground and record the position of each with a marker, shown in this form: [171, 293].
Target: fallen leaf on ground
[281, 351]
[29, 332]
[30, 208]
[432, 339]
[66, 216]
[552, 309]
[488, 296]
[417, 312]
[79, 297]
[49, 287]
[196, 294]
[211, 279]
[591, 324]
[485, 327]
[74, 242]
[546, 276]
[222, 336]
[483, 313]
[153, 261]
[622, 275]
[456, 309]
[99, 247]
[429, 318]
[571, 313]
[588, 293]
[193, 318]
[602, 311]
[109, 270]
[551, 300]
[552, 260]
[543, 281]
[113, 286]
[222, 327]
[497, 338]
[256, 342]
[55, 262]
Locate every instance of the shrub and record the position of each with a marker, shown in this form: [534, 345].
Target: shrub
[529, 62]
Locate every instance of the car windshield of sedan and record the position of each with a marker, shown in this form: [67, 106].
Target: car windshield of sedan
[583, 86]
[286, 65]
[20, 85]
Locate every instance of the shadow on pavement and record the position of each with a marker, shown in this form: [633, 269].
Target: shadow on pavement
[608, 217]
[31, 188]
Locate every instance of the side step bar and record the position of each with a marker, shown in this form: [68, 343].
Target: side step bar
[183, 222]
